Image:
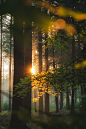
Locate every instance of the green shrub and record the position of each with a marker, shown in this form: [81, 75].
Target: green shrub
[78, 121]
[5, 106]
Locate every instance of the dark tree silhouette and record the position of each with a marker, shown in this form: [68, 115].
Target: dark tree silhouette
[46, 66]
[40, 69]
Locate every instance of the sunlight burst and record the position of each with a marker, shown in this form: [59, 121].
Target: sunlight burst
[33, 71]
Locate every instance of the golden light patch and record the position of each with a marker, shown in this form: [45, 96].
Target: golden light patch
[64, 12]
[61, 11]
[78, 16]
[71, 29]
[60, 24]
[81, 65]
[77, 66]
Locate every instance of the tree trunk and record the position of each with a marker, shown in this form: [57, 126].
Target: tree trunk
[46, 66]
[27, 63]
[35, 95]
[61, 100]
[73, 56]
[56, 97]
[67, 99]
[75, 95]
[10, 68]
[61, 93]
[40, 70]
[57, 104]
[1, 64]
[17, 121]
[82, 92]
[84, 87]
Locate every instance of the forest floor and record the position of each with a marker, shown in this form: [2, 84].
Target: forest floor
[61, 115]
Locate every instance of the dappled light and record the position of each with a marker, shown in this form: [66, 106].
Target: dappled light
[81, 65]
[63, 12]
[60, 24]
[70, 29]
[78, 16]
[44, 42]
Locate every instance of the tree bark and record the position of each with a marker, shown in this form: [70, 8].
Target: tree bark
[35, 103]
[82, 92]
[40, 70]
[57, 104]
[27, 63]
[10, 68]
[67, 99]
[46, 66]
[73, 56]
[61, 100]
[75, 91]
[84, 87]
[17, 103]
[1, 64]
[56, 97]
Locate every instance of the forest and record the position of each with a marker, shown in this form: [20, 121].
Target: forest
[42, 64]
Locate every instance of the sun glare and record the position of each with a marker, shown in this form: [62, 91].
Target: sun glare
[33, 71]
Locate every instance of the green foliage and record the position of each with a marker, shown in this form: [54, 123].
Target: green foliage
[4, 119]
[58, 40]
[5, 112]
[23, 87]
[78, 1]
[58, 79]
[5, 106]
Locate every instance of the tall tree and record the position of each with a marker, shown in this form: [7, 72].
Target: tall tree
[67, 97]
[17, 104]
[61, 100]
[27, 62]
[46, 66]
[35, 103]
[40, 69]
[1, 63]
[61, 93]
[73, 56]
[83, 88]
[10, 67]
[56, 97]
